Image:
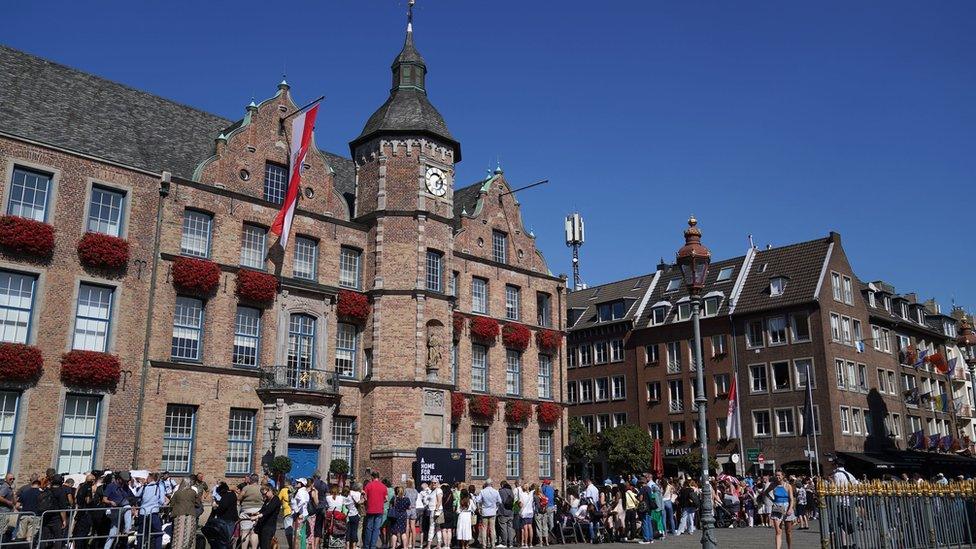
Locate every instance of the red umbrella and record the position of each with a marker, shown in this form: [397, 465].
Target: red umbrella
[657, 467]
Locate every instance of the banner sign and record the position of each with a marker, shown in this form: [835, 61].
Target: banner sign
[441, 464]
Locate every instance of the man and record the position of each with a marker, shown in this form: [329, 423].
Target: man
[489, 500]
[591, 493]
[35, 482]
[550, 511]
[27, 496]
[941, 480]
[83, 520]
[169, 484]
[375, 493]
[845, 514]
[648, 503]
[53, 504]
[318, 492]
[116, 498]
[8, 521]
[152, 493]
[506, 532]
[202, 489]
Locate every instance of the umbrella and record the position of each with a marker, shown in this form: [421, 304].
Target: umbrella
[657, 466]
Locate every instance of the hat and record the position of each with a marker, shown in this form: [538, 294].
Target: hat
[940, 475]
[607, 482]
[302, 481]
[547, 481]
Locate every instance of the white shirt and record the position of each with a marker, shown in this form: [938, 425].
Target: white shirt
[351, 501]
[525, 500]
[421, 499]
[335, 503]
[592, 493]
[299, 504]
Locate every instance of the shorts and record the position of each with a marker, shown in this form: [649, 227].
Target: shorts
[776, 515]
[352, 529]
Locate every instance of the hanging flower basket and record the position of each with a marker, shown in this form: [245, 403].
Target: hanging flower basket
[517, 412]
[353, 306]
[483, 407]
[22, 236]
[457, 407]
[548, 413]
[20, 363]
[90, 369]
[101, 251]
[256, 287]
[516, 336]
[548, 340]
[196, 276]
[484, 328]
[458, 325]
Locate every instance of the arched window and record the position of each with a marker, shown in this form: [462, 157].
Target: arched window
[301, 350]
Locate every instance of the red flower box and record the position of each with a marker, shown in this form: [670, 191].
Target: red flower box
[484, 328]
[457, 407]
[548, 413]
[483, 407]
[90, 369]
[196, 276]
[458, 325]
[549, 340]
[517, 412]
[516, 336]
[101, 251]
[20, 363]
[256, 287]
[24, 236]
[353, 306]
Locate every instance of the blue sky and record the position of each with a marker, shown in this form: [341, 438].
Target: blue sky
[778, 119]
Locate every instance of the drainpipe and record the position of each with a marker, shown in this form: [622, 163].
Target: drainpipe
[164, 183]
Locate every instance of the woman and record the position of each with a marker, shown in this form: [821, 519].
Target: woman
[618, 515]
[334, 501]
[784, 507]
[399, 511]
[299, 507]
[801, 506]
[266, 519]
[688, 502]
[411, 493]
[351, 499]
[527, 513]
[449, 506]
[183, 510]
[225, 516]
[465, 513]
[669, 495]
[284, 496]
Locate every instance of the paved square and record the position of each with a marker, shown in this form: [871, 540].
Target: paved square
[732, 538]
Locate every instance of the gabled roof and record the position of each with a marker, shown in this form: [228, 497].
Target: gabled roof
[631, 290]
[673, 272]
[801, 263]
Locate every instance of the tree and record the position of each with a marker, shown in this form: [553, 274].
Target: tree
[628, 449]
[691, 463]
[583, 447]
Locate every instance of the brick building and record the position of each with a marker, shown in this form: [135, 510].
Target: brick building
[768, 317]
[355, 352]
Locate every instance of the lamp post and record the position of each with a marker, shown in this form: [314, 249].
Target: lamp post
[274, 430]
[967, 344]
[693, 259]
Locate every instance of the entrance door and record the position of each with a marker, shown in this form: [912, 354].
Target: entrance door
[304, 459]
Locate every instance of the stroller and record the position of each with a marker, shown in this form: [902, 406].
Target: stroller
[336, 529]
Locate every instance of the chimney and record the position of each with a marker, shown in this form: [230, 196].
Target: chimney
[662, 265]
[834, 237]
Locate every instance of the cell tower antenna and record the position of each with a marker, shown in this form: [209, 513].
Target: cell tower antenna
[574, 239]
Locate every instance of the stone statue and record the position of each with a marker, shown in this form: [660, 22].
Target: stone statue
[434, 356]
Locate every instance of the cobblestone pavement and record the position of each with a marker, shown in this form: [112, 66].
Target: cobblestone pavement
[731, 538]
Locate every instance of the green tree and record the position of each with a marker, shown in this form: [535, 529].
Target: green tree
[628, 449]
[583, 446]
[691, 463]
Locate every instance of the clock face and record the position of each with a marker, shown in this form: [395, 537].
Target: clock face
[436, 183]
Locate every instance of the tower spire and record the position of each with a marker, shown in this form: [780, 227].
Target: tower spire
[410, 4]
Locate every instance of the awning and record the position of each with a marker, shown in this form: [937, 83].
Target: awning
[873, 461]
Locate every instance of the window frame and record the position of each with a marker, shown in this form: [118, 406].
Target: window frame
[784, 330]
[795, 320]
[346, 255]
[249, 247]
[750, 336]
[753, 378]
[513, 372]
[544, 377]
[199, 330]
[434, 271]
[499, 246]
[482, 283]
[513, 302]
[479, 449]
[614, 394]
[189, 215]
[513, 457]
[74, 436]
[189, 440]
[789, 378]
[7, 311]
[543, 306]
[546, 456]
[283, 173]
[353, 352]
[245, 443]
[482, 367]
[12, 412]
[755, 424]
[792, 421]
[49, 190]
[240, 335]
[798, 374]
[313, 245]
[121, 222]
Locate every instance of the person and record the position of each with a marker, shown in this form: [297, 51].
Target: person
[399, 514]
[318, 492]
[52, 503]
[251, 502]
[449, 508]
[646, 504]
[526, 499]
[846, 520]
[224, 517]
[410, 492]
[353, 501]
[287, 520]
[506, 533]
[8, 520]
[783, 515]
[465, 512]
[152, 495]
[266, 519]
[547, 510]
[590, 493]
[748, 498]
[668, 497]
[116, 497]
[27, 496]
[433, 512]
[83, 518]
[688, 500]
[420, 507]
[374, 494]
[489, 501]
[202, 490]
[183, 513]
[801, 506]
[300, 511]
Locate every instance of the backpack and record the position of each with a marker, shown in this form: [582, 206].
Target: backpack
[508, 500]
[45, 501]
[543, 503]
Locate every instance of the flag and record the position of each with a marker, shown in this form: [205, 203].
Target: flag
[939, 362]
[732, 418]
[952, 367]
[934, 441]
[917, 440]
[946, 442]
[809, 427]
[920, 361]
[301, 139]
[912, 396]
[942, 402]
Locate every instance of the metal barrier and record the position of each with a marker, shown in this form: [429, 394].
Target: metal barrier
[10, 526]
[896, 515]
[140, 534]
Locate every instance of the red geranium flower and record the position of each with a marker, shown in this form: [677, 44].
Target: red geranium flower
[101, 251]
[196, 276]
[458, 325]
[484, 328]
[548, 340]
[517, 412]
[516, 336]
[91, 369]
[483, 407]
[457, 407]
[548, 413]
[256, 287]
[24, 236]
[20, 363]
[353, 306]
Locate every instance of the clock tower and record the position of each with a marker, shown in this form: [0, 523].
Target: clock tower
[405, 160]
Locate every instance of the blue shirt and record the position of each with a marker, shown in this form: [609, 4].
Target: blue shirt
[116, 494]
[153, 497]
[548, 491]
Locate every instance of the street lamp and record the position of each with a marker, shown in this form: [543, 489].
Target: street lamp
[693, 259]
[967, 344]
[274, 430]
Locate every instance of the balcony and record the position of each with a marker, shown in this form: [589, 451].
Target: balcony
[676, 406]
[965, 411]
[959, 374]
[674, 366]
[298, 384]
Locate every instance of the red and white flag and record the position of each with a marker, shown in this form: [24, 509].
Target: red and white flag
[302, 125]
[732, 420]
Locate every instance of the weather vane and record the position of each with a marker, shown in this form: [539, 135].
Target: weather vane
[410, 4]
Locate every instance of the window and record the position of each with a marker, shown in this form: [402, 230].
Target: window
[841, 374]
[835, 326]
[914, 424]
[178, 432]
[882, 381]
[616, 350]
[721, 428]
[711, 306]
[722, 384]
[342, 439]
[586, 355]
[454, 283]
[545, 454]
[346, 349]
[858, 335]
[885, 340]
[904, 310]
[479, 368]
[572, 357]
[757, 377]
[851, 376]
[718, 345]
[611, 311]
[301, 349]
[455, 361]
[16, 306]
[617, 389]
[499, 246]
[240, 441]
[619, 418]
[684, 311]
[658, 314]
[275, 182]
[781, 375]
[892, 384]
[349, 270]
[588, 423]
[651, 354]
[835, 286]
[602, 422]
[673, 285]
[871, 299]
[674, 356]
[876, 338]
[513, 372]
[602, 389]
[187, 329]
[9, 403]
[784, 422]
[197, 227]
[29, 191]
[777, 330]
[435, 271]
[513, 302]
[247, 337]
[105, 211]
[754, 334]
[678, 431]
[801, 415]
[513, 453]
[601, 350]
[586, 390]
[862, 377]
[545, 376]
[653, 391]
[800, 326]
[543, 308]
[572, 394]
[306, 258]
[802, 367]
[887, 303]
[656, 430]
[848, 291]
[845, 420]
[479, 451]
[856, 420]
[845, 328]
[761, 424]
[676, 395]
[725, 274]
[79, 430]
[895, 428]
[777, 286]
[479, 295]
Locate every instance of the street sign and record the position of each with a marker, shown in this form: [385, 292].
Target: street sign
[761, 459]
[752, 454]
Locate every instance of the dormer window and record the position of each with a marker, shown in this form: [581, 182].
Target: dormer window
[904, 310]
[684, 310]
[871, 300]
[711, 306]
[949, 328]
[725, 273]
[611, 311]
[777, 285]
[919, 316]
[887, 303]
[658, 314]
[673, 285]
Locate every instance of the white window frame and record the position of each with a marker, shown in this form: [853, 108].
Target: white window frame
[792, 420]
[756, 433]
[93, 318]
[752, 378]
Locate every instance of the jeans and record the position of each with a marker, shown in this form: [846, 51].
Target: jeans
[669, 525]
[647, 527]
[372, 533]
[126, 523]
[505, 532]
[687, 521]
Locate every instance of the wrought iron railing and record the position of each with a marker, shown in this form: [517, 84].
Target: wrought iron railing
[676, 406]
[674, 366]
[299, 379]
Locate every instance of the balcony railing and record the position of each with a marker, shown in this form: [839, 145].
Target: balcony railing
[966, 410]
[676, 406]
[959, 373]
[299, 379]
[674, 366]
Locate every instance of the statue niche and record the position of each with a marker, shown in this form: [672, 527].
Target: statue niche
[435, 349]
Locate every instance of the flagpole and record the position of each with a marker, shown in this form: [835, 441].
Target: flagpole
[809, 456]
[738, 421]
[814, 418]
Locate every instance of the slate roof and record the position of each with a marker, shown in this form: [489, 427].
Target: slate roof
[800, 263]
[466, 198]
[60, 106]
[631, 290]
[673, 272]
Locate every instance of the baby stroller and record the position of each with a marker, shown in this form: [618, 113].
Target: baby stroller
[336, 529]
